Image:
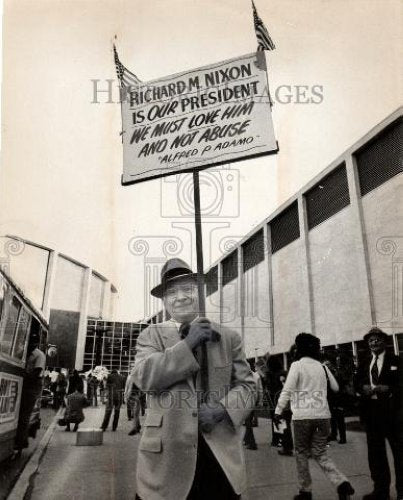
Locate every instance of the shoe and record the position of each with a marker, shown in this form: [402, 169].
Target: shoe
[133, 432]
[342, 441]
[345, 490]
[331, 438]
[376, 495]
[285, 453]
[303, 495]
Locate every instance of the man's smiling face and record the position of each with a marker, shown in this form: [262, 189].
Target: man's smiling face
[181, 299]
[376, 344]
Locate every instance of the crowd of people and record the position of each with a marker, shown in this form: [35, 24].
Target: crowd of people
[75, 391]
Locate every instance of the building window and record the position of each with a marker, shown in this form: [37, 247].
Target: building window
[230, 268]
[212, 281]
[381, 159]
[253, 251]
[284, 228]
[327, 197]
[111, 344]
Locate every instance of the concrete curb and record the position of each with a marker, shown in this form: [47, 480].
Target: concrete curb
[23, 482]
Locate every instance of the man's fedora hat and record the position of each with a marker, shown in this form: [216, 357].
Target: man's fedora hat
[376, 332]
[173, 270]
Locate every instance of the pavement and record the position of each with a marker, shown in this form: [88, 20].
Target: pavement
[10, 470]
[108, 472]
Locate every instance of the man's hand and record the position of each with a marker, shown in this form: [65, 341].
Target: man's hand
[200, 331]
[276, 419]
[367, 390]
[210, 415]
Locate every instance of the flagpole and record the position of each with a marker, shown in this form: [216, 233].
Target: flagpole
[200, 278]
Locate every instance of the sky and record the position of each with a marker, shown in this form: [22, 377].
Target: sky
[61, 158]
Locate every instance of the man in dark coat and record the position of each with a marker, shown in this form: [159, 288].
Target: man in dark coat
[114, 388]
[377, 383]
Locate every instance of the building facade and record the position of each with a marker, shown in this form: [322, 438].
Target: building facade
[64, 290]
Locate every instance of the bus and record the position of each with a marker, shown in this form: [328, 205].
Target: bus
[19, 319]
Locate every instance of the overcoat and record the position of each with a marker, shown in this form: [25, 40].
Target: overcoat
[167, 369]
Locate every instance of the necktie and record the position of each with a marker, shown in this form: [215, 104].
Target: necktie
[184, 330]
[375, 372]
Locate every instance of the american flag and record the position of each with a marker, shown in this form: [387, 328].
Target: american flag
[126, 77]
[264, 42]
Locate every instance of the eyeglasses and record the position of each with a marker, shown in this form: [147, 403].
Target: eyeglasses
[173, 291]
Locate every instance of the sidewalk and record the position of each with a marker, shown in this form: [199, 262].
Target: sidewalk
[108, 472]
[10, 470]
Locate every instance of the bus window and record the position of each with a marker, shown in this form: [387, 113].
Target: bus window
[10, 326]
[21, 334]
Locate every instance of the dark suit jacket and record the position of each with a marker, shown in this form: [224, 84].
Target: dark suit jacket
[389, 375]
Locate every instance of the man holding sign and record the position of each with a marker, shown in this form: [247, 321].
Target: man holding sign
[197, 399]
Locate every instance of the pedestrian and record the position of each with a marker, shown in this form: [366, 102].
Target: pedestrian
[306, 389]
[89, 389]
[377, 383]
[346, 371]
[31, 390]
[191, 445]
[74, 409]
[249, 437]
[93, 390]
[132, 397]
[53, 383]
[74, 382]
[114, 395]
[60, 393]
[102, 390]
[287, 442]
[274, 369]
[336, 402]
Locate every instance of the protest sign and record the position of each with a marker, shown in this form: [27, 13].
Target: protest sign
[195, 119]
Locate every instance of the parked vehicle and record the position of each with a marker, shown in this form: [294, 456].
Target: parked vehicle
[19, 319]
